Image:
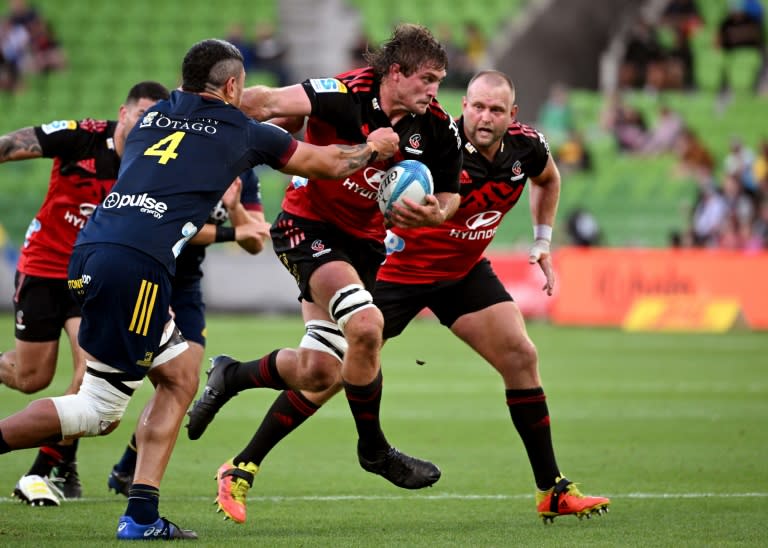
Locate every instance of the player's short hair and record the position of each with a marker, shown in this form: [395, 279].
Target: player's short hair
[496, 77]
[147, 90]
[410, 46]
[212, 62]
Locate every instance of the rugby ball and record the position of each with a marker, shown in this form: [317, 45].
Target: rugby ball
[407, 179]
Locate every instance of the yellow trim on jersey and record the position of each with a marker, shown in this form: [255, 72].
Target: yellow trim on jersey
[145, 302]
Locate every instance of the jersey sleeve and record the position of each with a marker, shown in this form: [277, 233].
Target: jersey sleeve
[250, 196]
[328, 97]
[64, 138]
[539, 155]
[270, 145]
[445, 174]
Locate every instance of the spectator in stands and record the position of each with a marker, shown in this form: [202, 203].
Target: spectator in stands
[679, 64]
[665, 133]
[682, 15]
[643, 59]
[14, 46]
[709, 213]
[573, 155]
[27, 45]
[760, 165]
[742, 28]
[460, 67]
[739, 162]
[269, 54]
[759, 235]
[626, 123]
[20, 13]
[236, 37]
[555, 118]
[740, 202]
[476, 46]
[583, 229]
[694, 158]
[46, 54]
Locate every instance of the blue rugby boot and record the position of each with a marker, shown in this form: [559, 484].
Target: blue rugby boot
[162, 529]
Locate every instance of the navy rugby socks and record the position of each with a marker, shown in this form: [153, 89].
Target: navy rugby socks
[143, 501]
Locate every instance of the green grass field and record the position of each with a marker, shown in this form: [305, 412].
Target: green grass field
[673, 428]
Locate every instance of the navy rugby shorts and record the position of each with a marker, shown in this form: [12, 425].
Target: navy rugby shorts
[189, 309]
[125, 297]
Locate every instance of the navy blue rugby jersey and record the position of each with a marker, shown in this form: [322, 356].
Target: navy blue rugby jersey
[178, 161]
[189, 263]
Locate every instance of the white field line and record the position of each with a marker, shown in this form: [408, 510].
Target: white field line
[446, 496]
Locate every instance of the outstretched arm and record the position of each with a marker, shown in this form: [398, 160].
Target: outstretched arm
[337, 161]
[21, 144]
[544, 198]
[263, 102]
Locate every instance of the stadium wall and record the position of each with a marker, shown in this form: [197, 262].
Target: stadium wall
[693, 288]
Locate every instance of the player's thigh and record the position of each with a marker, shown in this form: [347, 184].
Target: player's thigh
[496, 332]
[42, 306]
[35, 359]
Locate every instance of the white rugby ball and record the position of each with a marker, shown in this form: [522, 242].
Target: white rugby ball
[407, 179]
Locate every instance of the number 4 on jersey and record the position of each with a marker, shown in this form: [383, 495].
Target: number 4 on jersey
[166, 147]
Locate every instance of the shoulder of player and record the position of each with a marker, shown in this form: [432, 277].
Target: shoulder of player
[360, 80]
[92, 125]
[517, 131]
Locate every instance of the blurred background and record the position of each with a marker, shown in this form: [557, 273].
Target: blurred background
[655, 110]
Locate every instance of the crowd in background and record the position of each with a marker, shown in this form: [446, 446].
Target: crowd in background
[730, 208]
[28, 45]
[263, 50]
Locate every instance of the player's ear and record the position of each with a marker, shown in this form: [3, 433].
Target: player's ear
[122, 114]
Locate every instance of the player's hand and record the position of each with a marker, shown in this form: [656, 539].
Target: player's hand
[231, 197]
[253, 229]
[385, 142]
[413, 215]
[540, 253]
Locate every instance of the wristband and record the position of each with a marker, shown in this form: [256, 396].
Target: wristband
[542, 232]
[224, 234]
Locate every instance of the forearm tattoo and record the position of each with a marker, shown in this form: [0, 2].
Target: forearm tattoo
[355, 156]
[20, 144]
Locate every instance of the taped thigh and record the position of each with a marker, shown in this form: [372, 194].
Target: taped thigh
[325, 337]
[98, 405]
[347, 301]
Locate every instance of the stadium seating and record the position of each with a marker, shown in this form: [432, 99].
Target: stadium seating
[112, 45]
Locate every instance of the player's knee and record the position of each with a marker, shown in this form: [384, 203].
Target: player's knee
[365, 330]
[324, 337]
[347, 302]
[527, 356]
[97, 408]
[30, 382]
[318, 371]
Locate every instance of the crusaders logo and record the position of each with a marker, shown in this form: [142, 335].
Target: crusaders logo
[415, 140]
